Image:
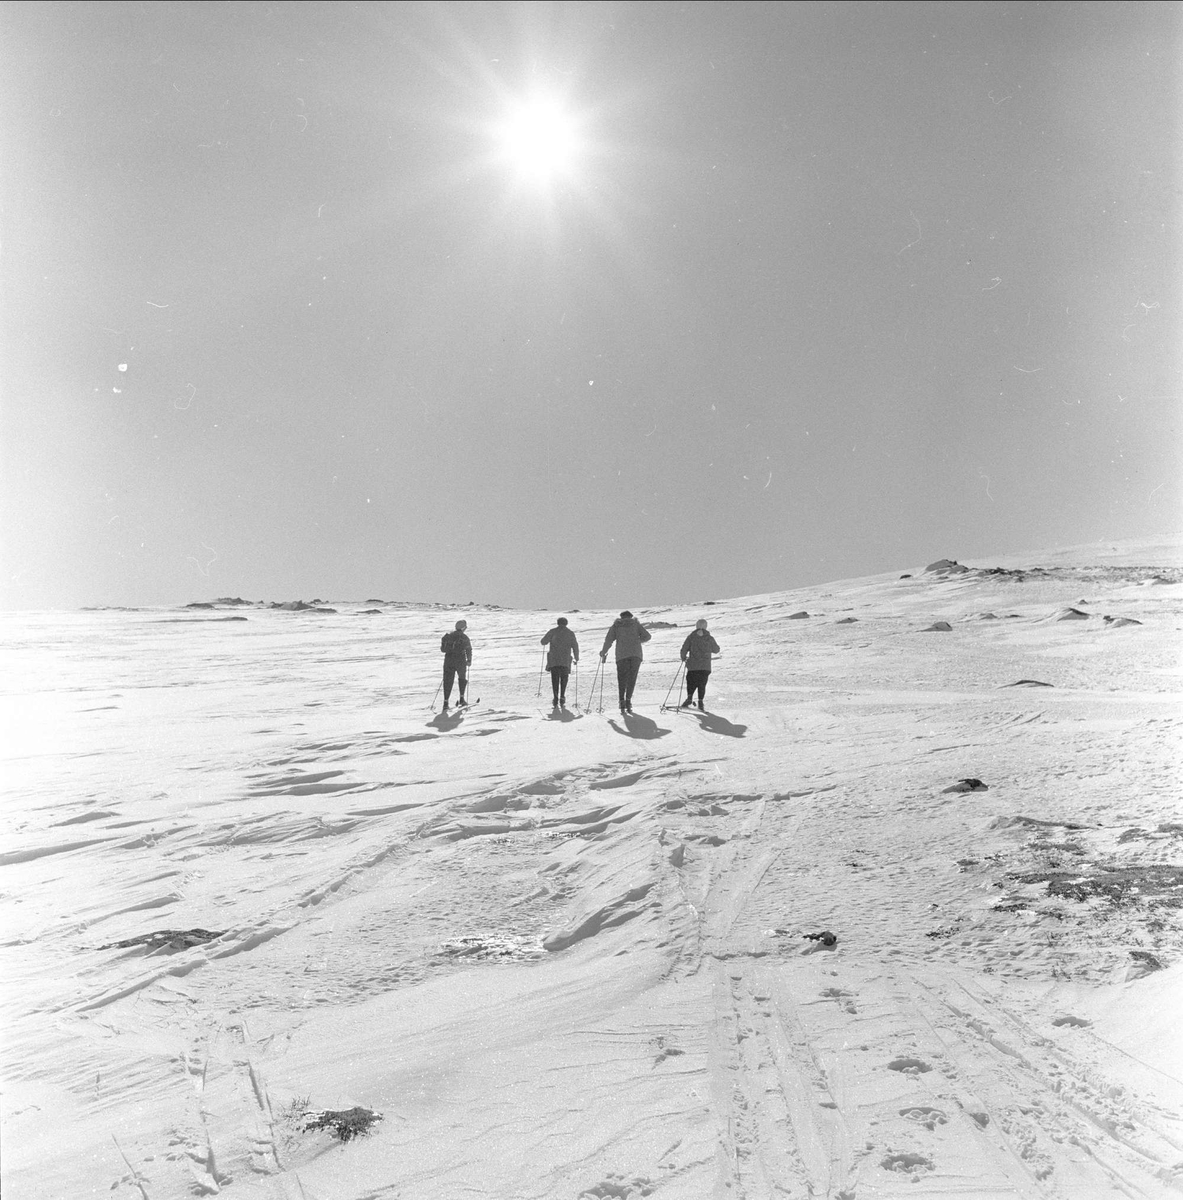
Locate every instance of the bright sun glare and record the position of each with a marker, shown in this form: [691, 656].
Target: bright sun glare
[539, 138]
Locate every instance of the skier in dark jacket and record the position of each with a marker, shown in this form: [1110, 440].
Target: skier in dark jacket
[457, 652]
[696, 654]
[563, 647]
[628, 633]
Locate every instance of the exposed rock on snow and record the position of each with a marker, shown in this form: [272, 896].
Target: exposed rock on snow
[497, 948]
[825, 937]
[1144, 964]
[170, 939]
[344, 1124]
[1070, 614]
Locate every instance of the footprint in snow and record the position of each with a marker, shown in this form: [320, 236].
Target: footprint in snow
[909, 1066]
[844, 999]
[906, 1164]
[930, 1118]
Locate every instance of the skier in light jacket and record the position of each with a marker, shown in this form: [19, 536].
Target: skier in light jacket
[563, 647]
[457, 652]
[628, 633]
[696, 654]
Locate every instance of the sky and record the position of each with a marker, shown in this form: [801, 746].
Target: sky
[785, 293]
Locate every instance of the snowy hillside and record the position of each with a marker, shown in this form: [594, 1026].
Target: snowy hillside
[569, 955]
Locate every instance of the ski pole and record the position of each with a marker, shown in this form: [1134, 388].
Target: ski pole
[577, 683]
[602, 674]
[595, 675]
[592, 695]
[540, 670]
[666, 702]
[436, 696]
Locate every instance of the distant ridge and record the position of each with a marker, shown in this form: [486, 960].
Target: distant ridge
[1162, 551]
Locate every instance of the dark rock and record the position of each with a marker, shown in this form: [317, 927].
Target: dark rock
[1146, 959]
[344, 1124]
[173, 939]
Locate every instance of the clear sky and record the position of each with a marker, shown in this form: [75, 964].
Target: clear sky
[796, 292]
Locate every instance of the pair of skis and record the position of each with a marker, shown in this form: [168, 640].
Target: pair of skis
[463, 703]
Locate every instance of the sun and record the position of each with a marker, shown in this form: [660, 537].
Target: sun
[539, 138]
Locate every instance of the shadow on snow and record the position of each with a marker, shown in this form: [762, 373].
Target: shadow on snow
[639, 727]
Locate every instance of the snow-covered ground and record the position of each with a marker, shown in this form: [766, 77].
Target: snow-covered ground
[570, 958]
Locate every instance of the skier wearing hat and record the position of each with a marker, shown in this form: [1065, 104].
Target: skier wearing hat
[563, 646]
[696, 654]
[457, 652]
[628, 633]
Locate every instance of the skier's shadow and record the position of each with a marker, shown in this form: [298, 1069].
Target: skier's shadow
[639, 727]
[562, 715]
[445, 720]
[716, 724]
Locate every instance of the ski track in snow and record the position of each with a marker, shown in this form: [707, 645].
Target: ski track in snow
[569, 957]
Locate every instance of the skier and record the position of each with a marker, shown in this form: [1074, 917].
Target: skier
[628, 633]
[457, 652]
[696, 654]
[563, 647]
